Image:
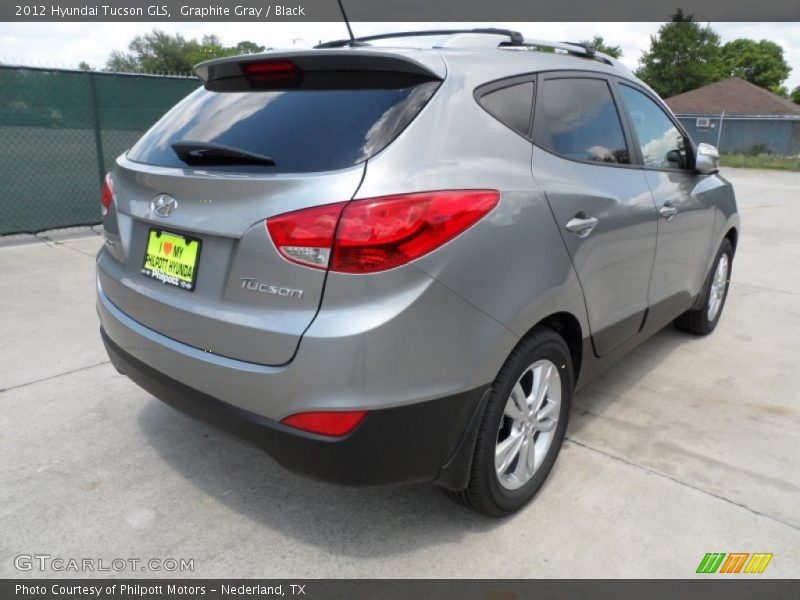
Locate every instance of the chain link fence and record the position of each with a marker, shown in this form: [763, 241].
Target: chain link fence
[61, 130]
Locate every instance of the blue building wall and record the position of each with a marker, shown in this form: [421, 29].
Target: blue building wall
[742, 134]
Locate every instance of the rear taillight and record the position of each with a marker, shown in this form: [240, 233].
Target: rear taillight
[334, 423]
[382, 233]
[106, 195]
[306, 236]
[376, 234]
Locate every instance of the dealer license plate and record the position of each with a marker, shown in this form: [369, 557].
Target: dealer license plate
[172, 259]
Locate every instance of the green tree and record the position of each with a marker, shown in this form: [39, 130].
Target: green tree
[211, 47]
[761, 62]
[600, 45]
[160, 52]
[122, 62]
[683, 55]
[84, 66]
[795, 95]
[247, 47]
[780, 90]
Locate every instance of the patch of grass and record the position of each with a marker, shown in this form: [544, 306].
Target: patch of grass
[761, 161]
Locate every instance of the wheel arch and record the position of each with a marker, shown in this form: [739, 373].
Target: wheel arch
[454, 475]
[569, 328]
[733, 235]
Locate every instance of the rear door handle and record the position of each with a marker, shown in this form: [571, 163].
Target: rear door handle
[667, 211]
[582, 226]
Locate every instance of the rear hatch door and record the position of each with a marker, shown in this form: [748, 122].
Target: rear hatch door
[223, 287]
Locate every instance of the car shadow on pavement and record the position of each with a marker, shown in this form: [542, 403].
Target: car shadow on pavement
[355, 522]
[610, 387]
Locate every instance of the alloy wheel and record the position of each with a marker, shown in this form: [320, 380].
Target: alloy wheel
[718, 284]
[528, 425]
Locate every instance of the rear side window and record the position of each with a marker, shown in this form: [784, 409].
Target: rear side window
[302, 130]
[511, 106]
[663, 146]
[579, 120]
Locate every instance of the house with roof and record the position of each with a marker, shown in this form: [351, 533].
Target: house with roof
[738, 116]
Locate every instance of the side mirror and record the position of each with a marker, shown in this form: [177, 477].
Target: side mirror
[707, 159]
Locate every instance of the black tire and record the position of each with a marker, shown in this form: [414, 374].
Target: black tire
[696, 321]
[484, 493]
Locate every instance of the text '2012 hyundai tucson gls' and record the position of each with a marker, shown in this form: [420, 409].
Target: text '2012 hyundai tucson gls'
[394, 264]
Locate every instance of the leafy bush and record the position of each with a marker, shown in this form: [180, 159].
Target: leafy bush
[757, 149]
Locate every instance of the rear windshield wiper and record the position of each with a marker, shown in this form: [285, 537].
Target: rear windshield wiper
[211, 153]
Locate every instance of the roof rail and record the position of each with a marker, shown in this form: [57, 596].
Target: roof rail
[515, 40]
[573, 48]
[588, 48]
[515, 37]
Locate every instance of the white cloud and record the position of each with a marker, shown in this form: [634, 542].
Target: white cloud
[66, 44]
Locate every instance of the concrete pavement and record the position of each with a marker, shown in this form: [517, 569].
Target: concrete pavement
[687, 446]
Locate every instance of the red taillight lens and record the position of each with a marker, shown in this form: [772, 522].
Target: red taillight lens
[272, 71]
[306, 236]
[381, 233]
[106, 195]
[332, 424]
[376, 234]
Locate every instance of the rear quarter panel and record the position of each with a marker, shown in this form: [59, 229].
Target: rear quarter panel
[511, 265]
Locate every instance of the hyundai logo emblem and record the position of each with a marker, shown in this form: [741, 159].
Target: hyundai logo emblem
[163, 205]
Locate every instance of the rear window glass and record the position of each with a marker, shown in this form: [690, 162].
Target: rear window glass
[580, 121]
[511, 106]
[301, 130]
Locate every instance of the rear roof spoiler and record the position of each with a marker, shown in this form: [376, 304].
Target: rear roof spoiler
[326, 60]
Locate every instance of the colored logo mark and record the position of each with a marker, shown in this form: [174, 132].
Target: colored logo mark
[735, 562]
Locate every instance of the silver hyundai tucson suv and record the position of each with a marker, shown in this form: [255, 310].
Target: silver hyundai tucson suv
[388, 261]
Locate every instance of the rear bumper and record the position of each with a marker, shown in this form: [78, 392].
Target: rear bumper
[413, 342]
[428, 441]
